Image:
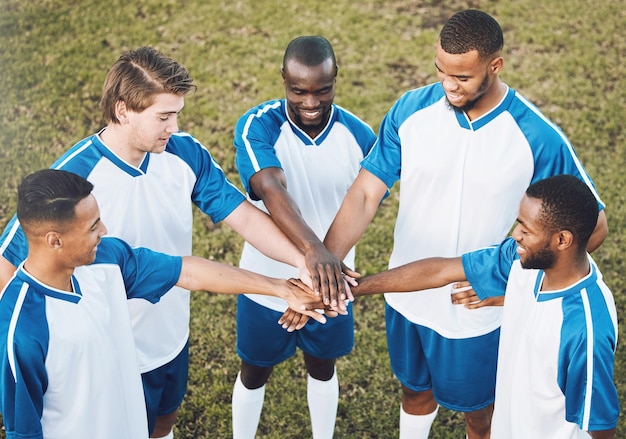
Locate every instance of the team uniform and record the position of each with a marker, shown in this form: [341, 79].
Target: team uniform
[460, 186]
[149, 206]
[319, 172]
[68, 361]
[555, 365]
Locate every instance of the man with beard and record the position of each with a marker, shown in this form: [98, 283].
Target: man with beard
[296, 158]
[464, 150]
[559, 325]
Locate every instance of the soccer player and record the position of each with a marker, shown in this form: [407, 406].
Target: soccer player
[559, 325]
[296, 157]
[147, 176]
[464, 149]
[68, 364]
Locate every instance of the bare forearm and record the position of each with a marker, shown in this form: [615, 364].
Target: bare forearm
[202, 274]
[418, 275]
[256, 227]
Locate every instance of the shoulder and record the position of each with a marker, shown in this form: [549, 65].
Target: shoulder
[267, 113]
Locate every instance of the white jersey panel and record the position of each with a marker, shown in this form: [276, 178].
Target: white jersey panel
[318, 177]
[99, 330]
[162, 199]
[450, 203]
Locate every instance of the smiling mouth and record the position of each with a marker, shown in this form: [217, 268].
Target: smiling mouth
[308, 114]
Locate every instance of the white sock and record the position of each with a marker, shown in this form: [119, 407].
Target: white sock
[170, 435]
[415, 426]
[246, 409]
[323, 398]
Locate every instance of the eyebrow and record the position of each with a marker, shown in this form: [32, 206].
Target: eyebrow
[454, 76]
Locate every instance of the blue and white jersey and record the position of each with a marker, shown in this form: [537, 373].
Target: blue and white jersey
[148, 206]
[68, 364]
[319, 171]
[556, 352]
[460, 186]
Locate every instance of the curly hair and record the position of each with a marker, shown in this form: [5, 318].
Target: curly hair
[471, 30]
[567, 203]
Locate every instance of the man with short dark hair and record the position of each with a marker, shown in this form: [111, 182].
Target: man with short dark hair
[464, 150]
[296, 157]
[68, 362]
[559, 325]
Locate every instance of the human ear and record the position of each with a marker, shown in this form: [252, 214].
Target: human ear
[53, 239]
[565, 239]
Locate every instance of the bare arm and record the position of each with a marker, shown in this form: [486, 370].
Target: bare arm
[256, 227]
[604, 434]
[270, 185]
[202, 274]
[356, 212]
[414, 276]
[599, 233]
[6, 271]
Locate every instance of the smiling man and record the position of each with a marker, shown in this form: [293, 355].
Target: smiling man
[68, 365]
[559, 326]
[148, 175]
[463, 149]
[296, 157]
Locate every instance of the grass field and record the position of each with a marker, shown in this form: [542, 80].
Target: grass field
[566, 56]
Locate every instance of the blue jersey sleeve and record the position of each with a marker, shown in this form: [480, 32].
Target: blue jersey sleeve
[147, 274]
[213, 193]
[24, 340]
[586, 360]
[255, 135]
[487, 270]
[13, 244]
[552, 151]
[385, 158]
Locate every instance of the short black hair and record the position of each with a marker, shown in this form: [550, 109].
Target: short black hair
[567, 203]
[50, 195]
[310, 51]
[471, 30]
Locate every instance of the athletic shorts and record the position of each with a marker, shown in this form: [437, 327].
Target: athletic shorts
[165, 387]
[262, 342]
[460, 372]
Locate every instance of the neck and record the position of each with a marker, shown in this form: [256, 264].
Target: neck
[565, 273]
[488, 101]
[116, 138]
[53, 276]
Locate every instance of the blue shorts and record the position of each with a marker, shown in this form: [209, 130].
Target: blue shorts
[165, 387]
[262, 342]
[460, 372]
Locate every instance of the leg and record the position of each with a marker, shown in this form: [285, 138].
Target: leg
[417, 413]
[164, 425]
[164, 389]
[261, 344]
[247, 400]
[478, 423]
[322, 395]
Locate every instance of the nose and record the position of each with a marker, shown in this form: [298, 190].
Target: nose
[310, 101]
[448, 83]
[172, 127]
[516, 234]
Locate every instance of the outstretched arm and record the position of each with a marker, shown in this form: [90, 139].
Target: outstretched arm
[356, 212]
[270, 185]
[414, 276]
[202, 274]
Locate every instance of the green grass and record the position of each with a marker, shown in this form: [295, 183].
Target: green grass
[566, 56]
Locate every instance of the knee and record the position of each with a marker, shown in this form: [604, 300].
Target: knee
[418, 403]
[319, 368]
[254, 377]
[479, 422]
[164, 424]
